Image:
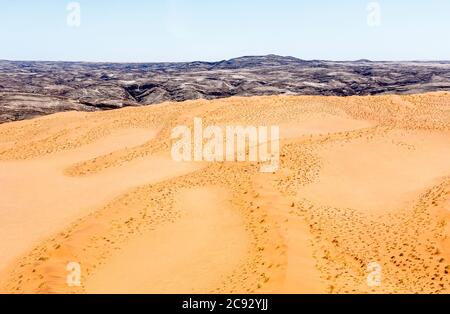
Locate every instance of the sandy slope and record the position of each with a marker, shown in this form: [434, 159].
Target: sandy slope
[55, 200]
[361, 180]
[210, 241]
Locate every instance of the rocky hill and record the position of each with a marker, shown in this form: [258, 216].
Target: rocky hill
[30, 89]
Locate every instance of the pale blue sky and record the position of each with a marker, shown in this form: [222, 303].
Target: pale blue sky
[186, 30]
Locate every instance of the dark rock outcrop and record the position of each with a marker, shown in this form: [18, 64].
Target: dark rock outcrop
[29, 89]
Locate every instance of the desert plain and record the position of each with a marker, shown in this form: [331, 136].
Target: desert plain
[362, 181]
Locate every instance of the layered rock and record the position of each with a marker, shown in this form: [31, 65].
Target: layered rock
[30, 89]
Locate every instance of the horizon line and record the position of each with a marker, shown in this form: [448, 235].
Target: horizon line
[224, 60]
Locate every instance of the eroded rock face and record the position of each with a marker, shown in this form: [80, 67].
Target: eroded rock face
[30, 89]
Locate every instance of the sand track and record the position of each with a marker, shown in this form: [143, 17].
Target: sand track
[361, 180]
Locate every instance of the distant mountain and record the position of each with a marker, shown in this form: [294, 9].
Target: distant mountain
[30, 89]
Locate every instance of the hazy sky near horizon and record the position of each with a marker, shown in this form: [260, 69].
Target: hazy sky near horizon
[210, 30]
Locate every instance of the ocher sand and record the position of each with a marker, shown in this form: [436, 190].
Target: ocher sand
[361, 180]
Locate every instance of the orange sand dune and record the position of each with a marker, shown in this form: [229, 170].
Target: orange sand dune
[362, 181]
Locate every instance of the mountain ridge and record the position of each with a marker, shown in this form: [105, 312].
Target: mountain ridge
[34, 88]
